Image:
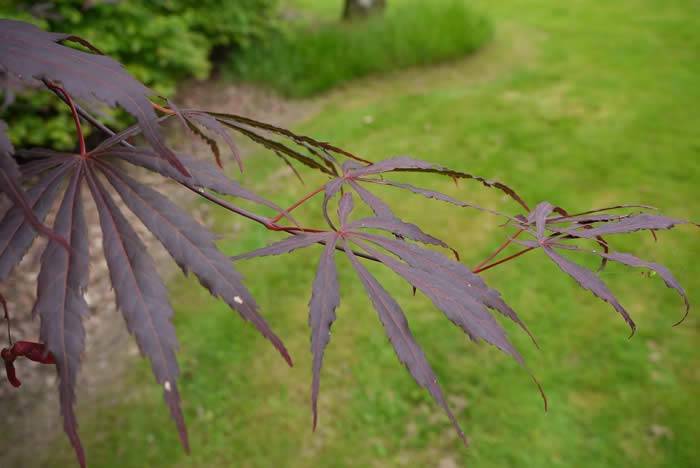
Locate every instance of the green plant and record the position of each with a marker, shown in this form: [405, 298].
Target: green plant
[160, 42]
[307, 60]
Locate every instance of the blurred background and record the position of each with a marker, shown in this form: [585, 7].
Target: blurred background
[581, 103]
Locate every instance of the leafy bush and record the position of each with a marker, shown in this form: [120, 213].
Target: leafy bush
[160, 42]
[309, 60]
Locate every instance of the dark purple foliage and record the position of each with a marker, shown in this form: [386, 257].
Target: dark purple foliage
[30, 54]
[325, 298]
[61, 303]
[52, 178]
[462, 296]
[549, 236]
[399, 334]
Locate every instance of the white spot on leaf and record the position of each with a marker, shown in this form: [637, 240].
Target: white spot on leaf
[167, 386]
[238, 300]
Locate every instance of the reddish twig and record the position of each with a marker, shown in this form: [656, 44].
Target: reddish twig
[267, 222]
[500, 249]
[507, 259]
[76, 118]
[298, 203]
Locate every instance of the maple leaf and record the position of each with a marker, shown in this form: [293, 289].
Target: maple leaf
[305, 150]
[550, 236]
[61, 304]
[31, 54]
[10, 185]
[353, 174]
[195, 120]
[461, 295]
[140, 293]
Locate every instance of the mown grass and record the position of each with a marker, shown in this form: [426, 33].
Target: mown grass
[312, 58]
[584, 104]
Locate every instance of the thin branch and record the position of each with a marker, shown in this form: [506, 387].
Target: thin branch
[507, 259]
[500, 249]
[298, 203]
[162, 109]
[266, 222]
[65, 97]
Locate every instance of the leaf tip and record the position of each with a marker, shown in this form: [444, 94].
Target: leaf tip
[687, 311]
[288, 358]
[542, 394]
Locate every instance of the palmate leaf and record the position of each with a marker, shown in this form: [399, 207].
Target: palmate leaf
[60, 302]
[192, 118]
[454, 298]
[16, 230]
[203, 175]
[320, 149]
[457, 304]
[317, 157]
[427, 193]
[313, 154]
[325, 299]
[378, 207]
[141, 296]
[459, 293]
[30, 54]
[549, 236]
[406, 164]
[588, 280]
[632, 261]
[593, 224]
[450, 271]
[287, 245]
[595, 216]
[10, 176]
[282, 150]
[401, 229]
[627, 224]
[400, 336]
[354, 173]
[192, 247]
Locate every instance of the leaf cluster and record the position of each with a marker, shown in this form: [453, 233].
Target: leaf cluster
[104, 174]
[160, 42]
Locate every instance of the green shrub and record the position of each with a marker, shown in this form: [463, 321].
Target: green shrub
[307, 60]
[160, 41]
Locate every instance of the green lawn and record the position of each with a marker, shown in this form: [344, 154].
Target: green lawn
[580, 103]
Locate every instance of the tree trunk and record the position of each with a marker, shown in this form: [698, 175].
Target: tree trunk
[362, 8]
